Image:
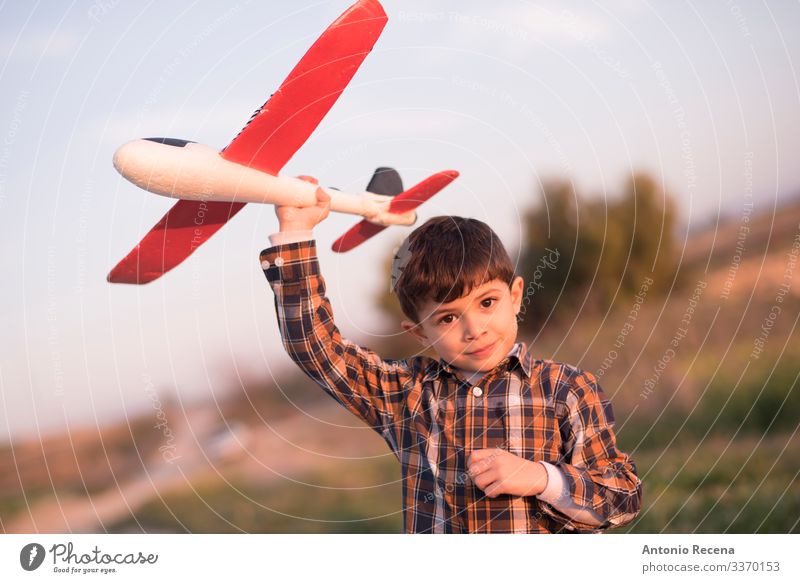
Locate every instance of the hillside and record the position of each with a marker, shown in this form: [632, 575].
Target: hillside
[706, 371]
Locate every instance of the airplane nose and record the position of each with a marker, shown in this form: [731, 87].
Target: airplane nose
[135, 157]
[174, 168]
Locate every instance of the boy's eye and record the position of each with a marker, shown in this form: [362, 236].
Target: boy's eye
[490, 302]
[448, 319]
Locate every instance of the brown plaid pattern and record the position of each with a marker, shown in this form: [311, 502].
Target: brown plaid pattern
[432, 420]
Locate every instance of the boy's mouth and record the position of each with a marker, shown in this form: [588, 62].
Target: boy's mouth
[486, 350]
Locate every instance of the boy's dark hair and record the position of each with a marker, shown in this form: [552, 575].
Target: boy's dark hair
[445, 258]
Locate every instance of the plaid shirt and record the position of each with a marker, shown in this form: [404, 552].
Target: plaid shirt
[432, 420]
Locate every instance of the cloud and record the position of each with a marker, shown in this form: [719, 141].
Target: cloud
[512, 27]
[399, 123]
[556, 24]
[38, 44]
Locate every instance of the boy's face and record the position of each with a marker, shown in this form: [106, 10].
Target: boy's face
[476, 331]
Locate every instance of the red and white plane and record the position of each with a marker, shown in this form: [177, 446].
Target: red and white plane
[214, 185]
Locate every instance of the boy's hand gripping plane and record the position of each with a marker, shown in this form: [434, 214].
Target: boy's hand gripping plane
[213, 186]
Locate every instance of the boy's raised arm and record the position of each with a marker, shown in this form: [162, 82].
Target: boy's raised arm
[356, 377]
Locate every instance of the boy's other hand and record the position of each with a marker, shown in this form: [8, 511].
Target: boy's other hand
[294, 218]
[497, 471]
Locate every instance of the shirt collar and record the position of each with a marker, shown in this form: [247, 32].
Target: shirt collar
[519, 354]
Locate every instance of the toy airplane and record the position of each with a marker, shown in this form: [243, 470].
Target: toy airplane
[213, 186]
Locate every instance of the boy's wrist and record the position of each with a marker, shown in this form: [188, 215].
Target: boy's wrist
[289, 227]
[287, 237]
[553, 488]
[539, 478]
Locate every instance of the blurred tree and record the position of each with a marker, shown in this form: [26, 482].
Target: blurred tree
[646, 217]
[548, 260]
[589, 254]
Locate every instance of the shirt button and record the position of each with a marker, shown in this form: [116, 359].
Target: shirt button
[279, 261]
[477, 391]
[265, 264]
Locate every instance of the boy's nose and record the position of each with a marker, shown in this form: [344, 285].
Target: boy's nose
[473, 328]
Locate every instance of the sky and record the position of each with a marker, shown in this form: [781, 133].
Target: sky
[510, 93]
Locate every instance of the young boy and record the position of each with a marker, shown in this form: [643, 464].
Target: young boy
[490, 439]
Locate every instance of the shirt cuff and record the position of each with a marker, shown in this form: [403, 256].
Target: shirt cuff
[290, 262]
[556, 494]
[554, 489]
[286, 237]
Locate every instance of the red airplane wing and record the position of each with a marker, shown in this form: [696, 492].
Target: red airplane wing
[271, 137]
[284, 123]
[403, 202]
[186, 226]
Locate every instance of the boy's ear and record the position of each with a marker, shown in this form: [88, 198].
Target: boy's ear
[416, 331]
[517, 287]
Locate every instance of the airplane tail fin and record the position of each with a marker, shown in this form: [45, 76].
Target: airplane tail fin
[385, 181]
[402, 203]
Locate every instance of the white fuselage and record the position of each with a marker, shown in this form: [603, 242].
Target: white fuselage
[198, 172]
